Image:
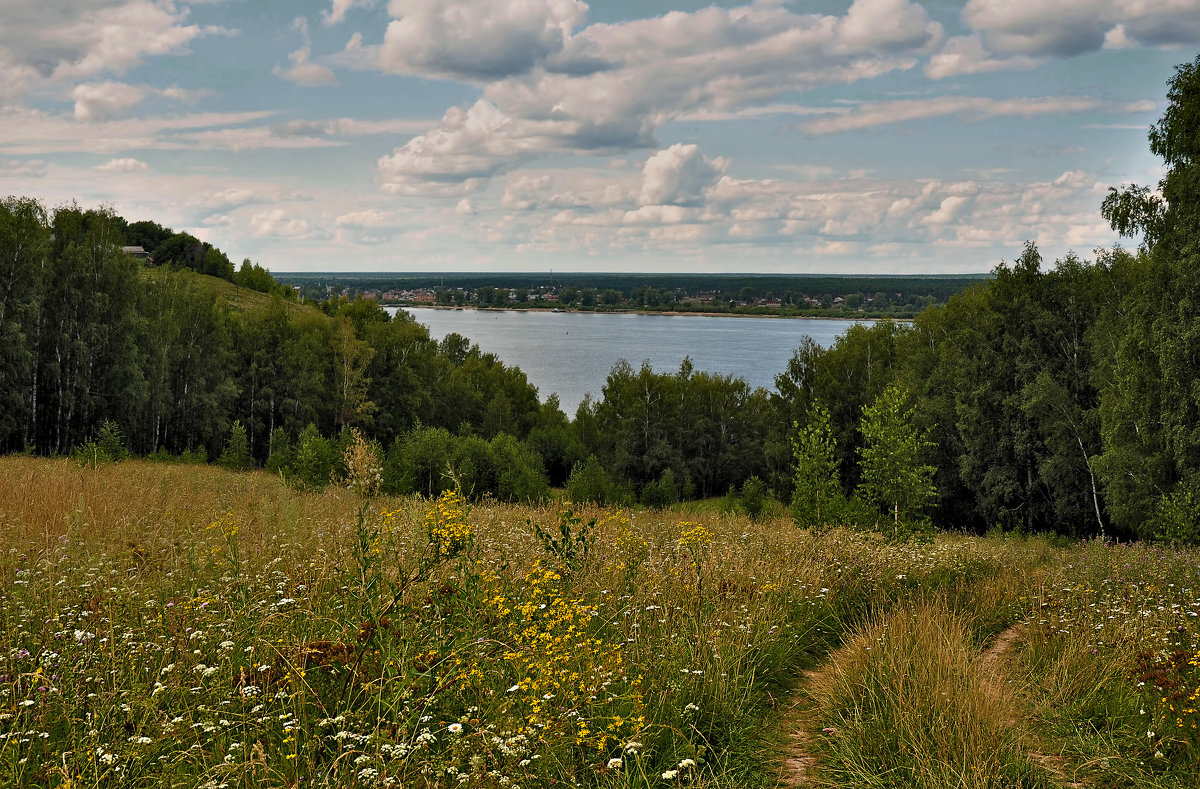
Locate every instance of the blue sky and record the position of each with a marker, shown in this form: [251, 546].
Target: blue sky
[323, 135]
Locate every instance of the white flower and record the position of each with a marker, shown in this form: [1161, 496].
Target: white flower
[669, 774]
[615, 764]
[454, 728]
[687, 763]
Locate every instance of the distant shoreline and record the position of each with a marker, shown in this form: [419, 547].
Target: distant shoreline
[675, 313]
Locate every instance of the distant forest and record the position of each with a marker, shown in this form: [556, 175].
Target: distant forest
[1061, 400]
[758, 294]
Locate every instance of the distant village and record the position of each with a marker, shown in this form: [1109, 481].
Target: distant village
[571, 297]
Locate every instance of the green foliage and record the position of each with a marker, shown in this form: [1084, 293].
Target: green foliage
[817, 497]
[1177, 517]
[111, 441]
[755, 498]
[573, 543]
[423, 460]
[236, 455]
[520, 476]
[590, 483]
[894, 478]
[473, 466]
[280, 456]
[313, 461]
[660, 494]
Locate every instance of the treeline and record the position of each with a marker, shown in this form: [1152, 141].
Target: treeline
[1064, 400]
[174, 359]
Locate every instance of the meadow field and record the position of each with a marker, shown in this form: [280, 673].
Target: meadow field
[183, 626]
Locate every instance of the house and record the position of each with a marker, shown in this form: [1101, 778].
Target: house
[137, 253]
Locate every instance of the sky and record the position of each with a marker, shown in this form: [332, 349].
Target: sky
[873, 136]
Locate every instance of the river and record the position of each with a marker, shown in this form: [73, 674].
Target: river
[571, 353]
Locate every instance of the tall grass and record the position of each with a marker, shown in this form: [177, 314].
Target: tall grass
[906, 702]
[191, 626]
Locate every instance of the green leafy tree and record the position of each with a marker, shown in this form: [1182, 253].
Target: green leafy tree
[817, 498]
[236, 455]
[894, 479]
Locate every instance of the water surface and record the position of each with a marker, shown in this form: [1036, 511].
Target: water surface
[571, 353]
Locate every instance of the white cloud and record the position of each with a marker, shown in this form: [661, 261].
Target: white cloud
[77, 39]
[465, 208]
[881, 25]
[679, 175]
[29, 168]
[28, 131]
[368, 218]
[101, 100]
[123, 165]
[1012, 34]
[337, 13]
[967, 55]
[276, 222]
[614, 85]
[476, 39]
[862, 116]
[303, 71]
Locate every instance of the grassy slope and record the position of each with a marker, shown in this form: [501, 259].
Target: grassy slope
[183, 625]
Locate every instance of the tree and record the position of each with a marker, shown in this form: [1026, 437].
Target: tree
[817, 497]
[1172, 220]
[894, 478]
[236, 455]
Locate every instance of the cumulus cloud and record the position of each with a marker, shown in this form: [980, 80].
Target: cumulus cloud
[276, 222]
[476, 39]
[123, 165]
[29, 168]
[337, 13]
[368, 218]
[303, 71]
[101, 100]
[647, 73]
[969, 107]
[1010, 34]
[78, 39]
[679, 176]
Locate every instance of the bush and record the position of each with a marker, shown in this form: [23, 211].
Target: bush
[473, 466]
[520, 474]
[755, 498]
[590, 483]
[423, 463]
[661, 494]
[280, 457]
[1177, 516]
[111, 440]
[236, 455]
[313, 462]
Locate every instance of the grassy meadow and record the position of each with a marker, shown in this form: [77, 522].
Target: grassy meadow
[183, 626]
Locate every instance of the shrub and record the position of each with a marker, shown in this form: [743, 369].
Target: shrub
[313, 462]
[661, 494]
[236, 455]
[755, 498]
[590, 483]
[423, 462]
[520, 475]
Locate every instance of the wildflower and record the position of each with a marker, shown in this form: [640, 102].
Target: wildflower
[455, 728]
[615, 763]
[687, 764]
[669, 774]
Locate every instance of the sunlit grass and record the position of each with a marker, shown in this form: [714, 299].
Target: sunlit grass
[188, 626]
